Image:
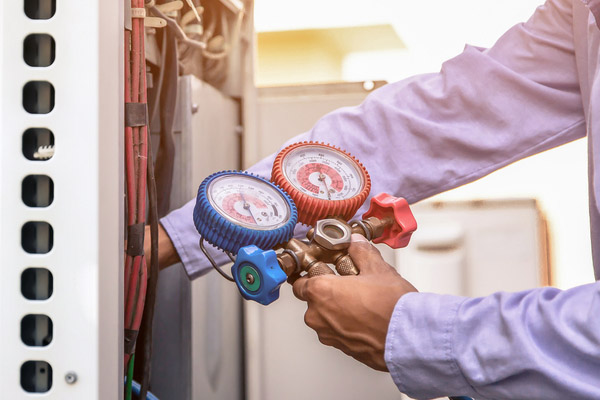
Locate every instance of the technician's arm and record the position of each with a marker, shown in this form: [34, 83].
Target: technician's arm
[431, 133]
[538, 344]
[167, 254]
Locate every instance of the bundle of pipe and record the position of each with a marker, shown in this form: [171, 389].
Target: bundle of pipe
[140, 281]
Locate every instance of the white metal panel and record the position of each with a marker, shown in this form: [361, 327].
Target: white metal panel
[209, 140]
[86, 214]
[198, 324]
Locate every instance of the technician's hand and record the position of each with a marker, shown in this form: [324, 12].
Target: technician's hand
[352, 313]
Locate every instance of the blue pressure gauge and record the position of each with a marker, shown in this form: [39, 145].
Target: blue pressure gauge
[236, 209]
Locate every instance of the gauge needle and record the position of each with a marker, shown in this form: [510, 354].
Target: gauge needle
[322, 179]
[247, 207]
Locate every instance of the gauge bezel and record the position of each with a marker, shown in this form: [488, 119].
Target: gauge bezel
[332, 150]
[230, 236]
[310, 208]
[269, 185]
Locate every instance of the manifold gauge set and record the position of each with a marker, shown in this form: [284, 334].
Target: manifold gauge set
[252, 219]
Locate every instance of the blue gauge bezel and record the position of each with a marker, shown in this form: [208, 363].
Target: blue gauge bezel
[225, 234]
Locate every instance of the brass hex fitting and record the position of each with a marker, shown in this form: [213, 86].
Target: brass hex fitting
[332, 234]
[328, 243]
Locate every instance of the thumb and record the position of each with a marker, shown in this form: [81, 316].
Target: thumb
[366, 257]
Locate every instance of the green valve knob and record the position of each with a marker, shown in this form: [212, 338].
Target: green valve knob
[250, 278]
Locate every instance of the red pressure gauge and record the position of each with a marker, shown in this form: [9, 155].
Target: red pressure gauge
[323, 181]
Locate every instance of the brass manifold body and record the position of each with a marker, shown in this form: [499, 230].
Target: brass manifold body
[328, 243]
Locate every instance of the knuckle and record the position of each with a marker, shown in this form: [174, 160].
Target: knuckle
[314, 288]
[321, 285]
[371, 252]
[310, 319]
[309, 290]
[375, 250]
[327, 341]
[297, 290]
[319, 290]
[362, 249]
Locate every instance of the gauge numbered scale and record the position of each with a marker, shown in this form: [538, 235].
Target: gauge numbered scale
[323, 180]
[235, 209]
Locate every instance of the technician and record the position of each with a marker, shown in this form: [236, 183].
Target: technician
[538, 87]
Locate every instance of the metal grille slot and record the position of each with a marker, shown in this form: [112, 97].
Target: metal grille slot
[35, 141]
[38, 97]
[36, 330]
[40, 9]
[37, 284]
[37, 237]
[39, 50]
[36, 376]
[37, 190]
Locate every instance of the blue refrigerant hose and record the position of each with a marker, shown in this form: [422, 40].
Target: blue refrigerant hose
[137, 388]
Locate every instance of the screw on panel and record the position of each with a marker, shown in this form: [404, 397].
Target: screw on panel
[71, 378]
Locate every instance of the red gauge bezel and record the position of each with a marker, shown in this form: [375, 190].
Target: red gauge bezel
[311, 209]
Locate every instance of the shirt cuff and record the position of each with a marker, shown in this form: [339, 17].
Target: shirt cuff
[419, 346]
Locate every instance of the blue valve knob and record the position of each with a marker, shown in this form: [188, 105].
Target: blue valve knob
[257, 274]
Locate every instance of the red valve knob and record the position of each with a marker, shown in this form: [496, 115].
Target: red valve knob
[398, 234]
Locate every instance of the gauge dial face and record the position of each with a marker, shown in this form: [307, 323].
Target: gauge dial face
[323, 173]
[249, 202]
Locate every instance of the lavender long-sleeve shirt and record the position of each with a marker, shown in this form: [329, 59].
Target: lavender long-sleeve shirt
[538, 87]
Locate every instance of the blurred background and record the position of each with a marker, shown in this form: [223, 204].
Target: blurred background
[324, 41]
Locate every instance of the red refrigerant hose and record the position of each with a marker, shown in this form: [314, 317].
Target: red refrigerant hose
[136, 149]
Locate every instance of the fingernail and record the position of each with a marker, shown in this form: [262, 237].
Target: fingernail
[358, 238]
